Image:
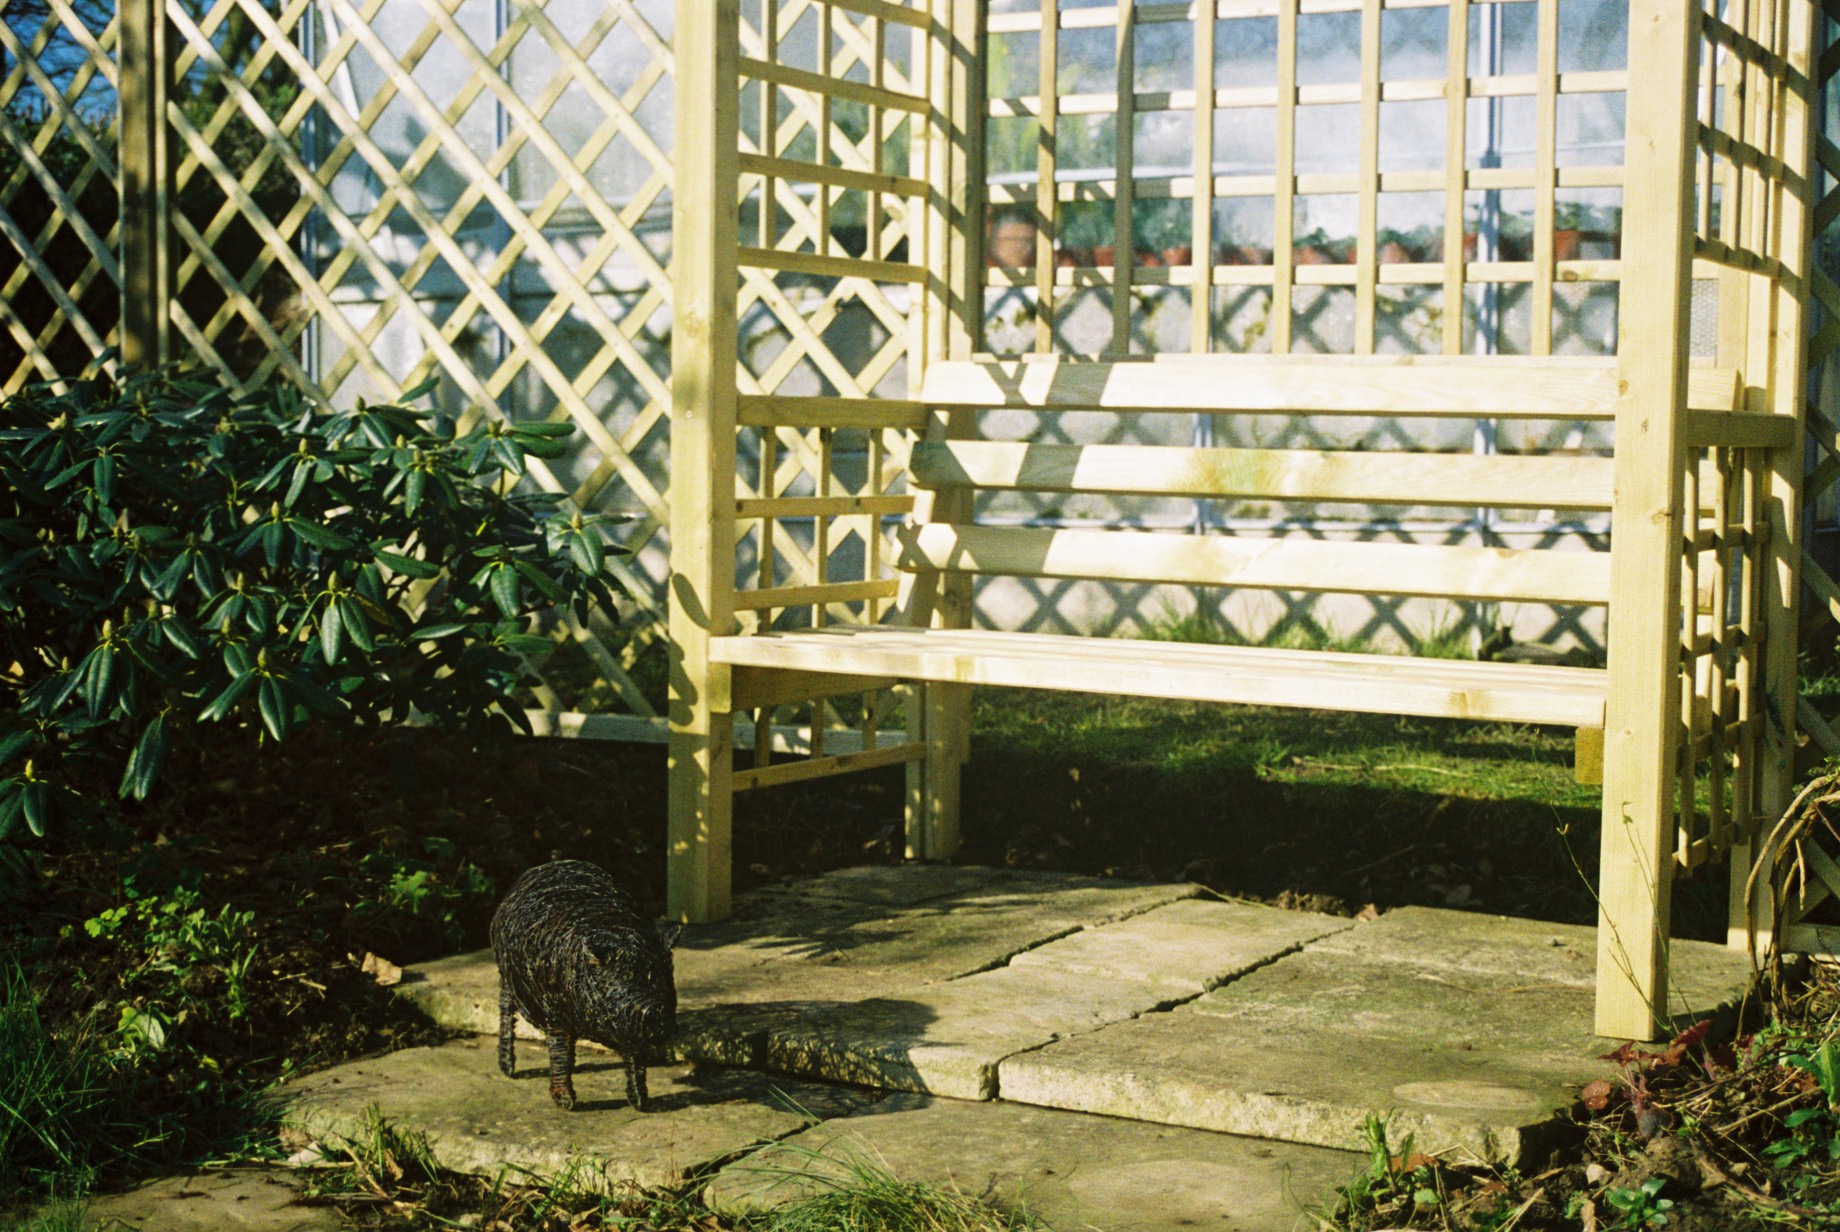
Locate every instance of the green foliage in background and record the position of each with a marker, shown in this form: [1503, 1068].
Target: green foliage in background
[174, 554]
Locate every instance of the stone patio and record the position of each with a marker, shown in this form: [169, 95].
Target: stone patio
[1114, 1055]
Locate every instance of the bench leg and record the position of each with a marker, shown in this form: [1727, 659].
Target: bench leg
[933, 782]
[1759, 922]
[1634, 884]
[702, 757]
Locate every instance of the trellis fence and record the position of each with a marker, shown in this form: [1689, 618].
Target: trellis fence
[356, 196]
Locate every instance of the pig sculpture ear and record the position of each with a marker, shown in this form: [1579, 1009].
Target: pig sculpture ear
[669, 932]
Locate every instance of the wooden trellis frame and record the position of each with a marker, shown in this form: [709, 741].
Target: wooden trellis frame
[1703, 573]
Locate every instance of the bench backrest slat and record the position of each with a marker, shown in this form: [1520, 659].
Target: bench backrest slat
[1498, 387]
[1375, 477]
[1414, 570]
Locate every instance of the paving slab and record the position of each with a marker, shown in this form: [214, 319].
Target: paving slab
[1185, 947]
[1466, 1048]
[1533, 952]
[476, 1120]
[1071, 1170]
[231, 1200]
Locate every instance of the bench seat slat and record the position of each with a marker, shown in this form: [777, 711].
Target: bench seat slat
[1512, 693]
[1412, 570]
[1385, 478]
[1495, 386]
[1534, 676]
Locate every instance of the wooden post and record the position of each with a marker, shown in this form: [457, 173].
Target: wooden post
[955, 308]
[1642, 726]
[1778, 360]
[146, 291]
[706, 219]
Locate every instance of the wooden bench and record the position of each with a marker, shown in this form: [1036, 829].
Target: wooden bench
[945, 541]
[944, 547]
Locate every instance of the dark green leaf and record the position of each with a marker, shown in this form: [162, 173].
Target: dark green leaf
[104, 477]
[508, 454]
[171, 576]
[36, 801]
[432, 632]
[273, 706]
[356, 625]
[505, 589]
[319, 536]
[585, 550]
[271, 536]
[409, 565]
[221, 705]
[303, 471]
[422, 389]
[145, 762]
[330, 628]
[542, 448]
[178, 631]
[99, 679]
[542, 581]
[14, 742]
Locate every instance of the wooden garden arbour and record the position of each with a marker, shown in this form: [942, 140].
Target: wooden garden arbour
[1704, 487]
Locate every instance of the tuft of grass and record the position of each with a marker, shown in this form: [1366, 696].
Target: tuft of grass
[855, 1193]
[61, 1117]
[377, 1160]
[62, 1215]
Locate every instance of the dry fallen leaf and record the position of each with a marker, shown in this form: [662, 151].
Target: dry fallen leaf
[1367, 914]
[1596, 1095]
[381, 969]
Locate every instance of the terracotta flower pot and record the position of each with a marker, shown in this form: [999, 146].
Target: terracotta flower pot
[1566, 244]
[1103, 255]
[1244, 254]
[1393, 252]
[1179, 254]
[1600, 246]
[1073, 258]
[1313, 254]
[1144, 257]
[1011, 245]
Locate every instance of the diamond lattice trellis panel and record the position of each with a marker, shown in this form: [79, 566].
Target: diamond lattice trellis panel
[373, 194]
[831, 116]
[60, 184]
